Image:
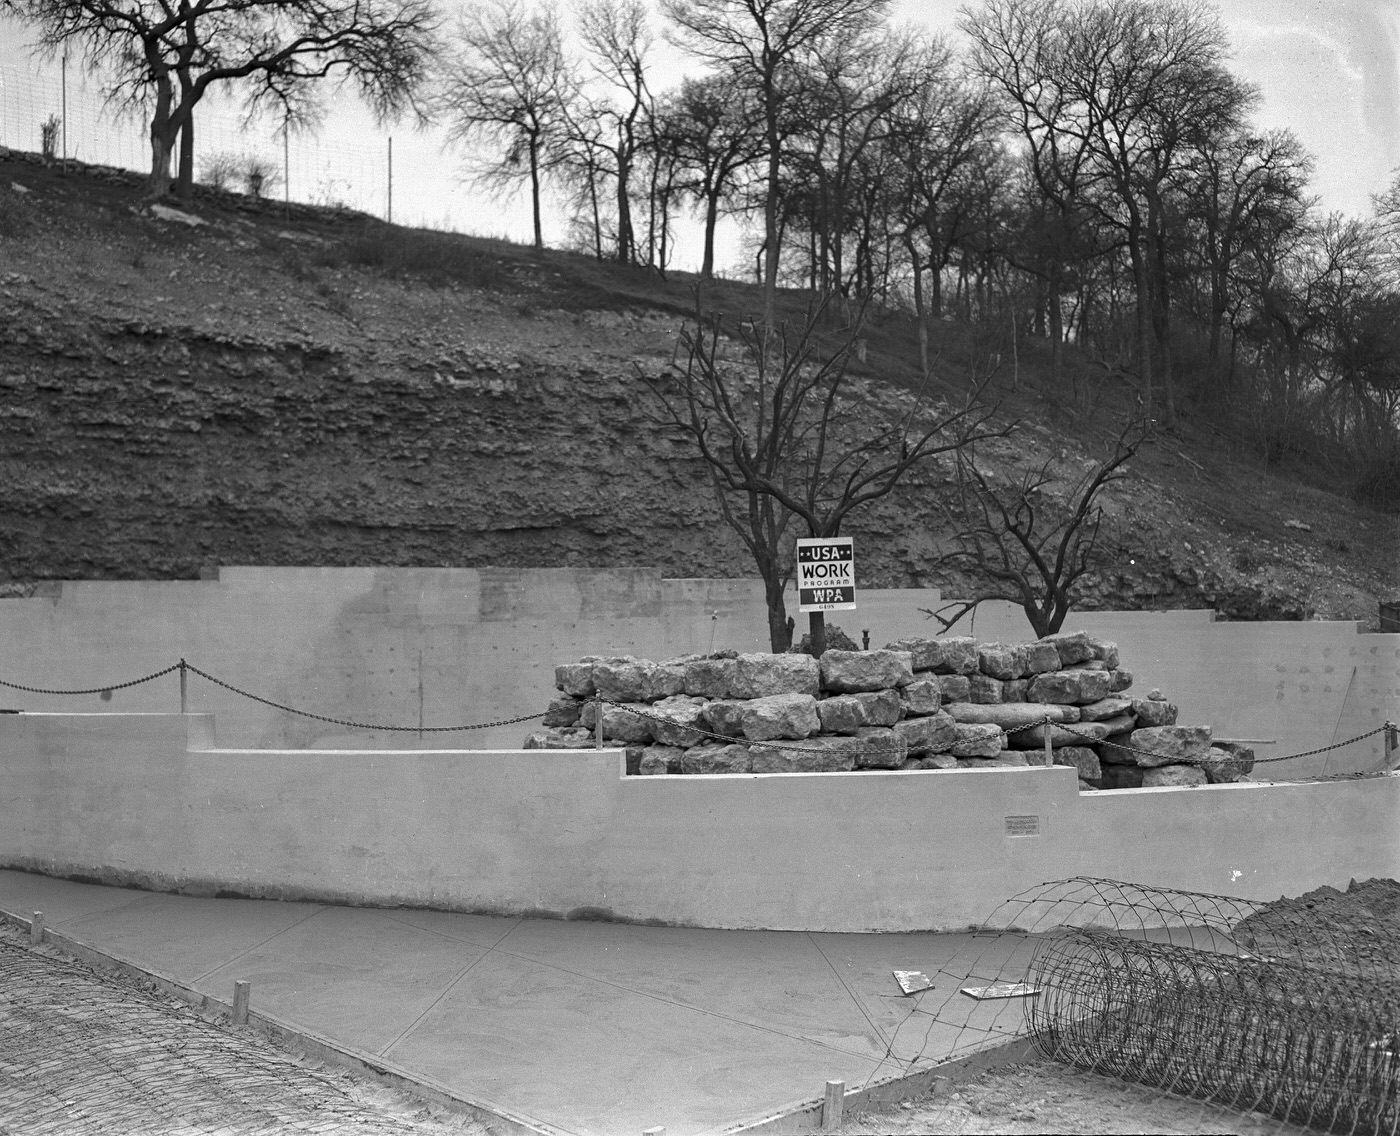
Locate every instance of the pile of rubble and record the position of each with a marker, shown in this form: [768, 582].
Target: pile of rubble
[916, 704]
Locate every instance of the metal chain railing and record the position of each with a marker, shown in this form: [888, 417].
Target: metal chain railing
[670, 723]
[182, 666]
[95, 689]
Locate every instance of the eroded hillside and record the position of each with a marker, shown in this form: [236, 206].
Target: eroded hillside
[263, 389]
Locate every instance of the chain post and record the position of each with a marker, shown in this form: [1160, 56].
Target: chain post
[1049, 749]
[598, 724]
[182, 687]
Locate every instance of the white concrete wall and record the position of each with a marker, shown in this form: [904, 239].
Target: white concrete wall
[410, 646]
[127, 798]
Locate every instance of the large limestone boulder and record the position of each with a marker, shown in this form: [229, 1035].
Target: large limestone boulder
[976, 739]
[1170, 745]
[924, 654]
[1078, 734]
[1119, 724]
[759, 675]
[575, 679]
[1173, 777]
[677, 720]
[959, 656]
[1072, 647]
[710, 678]
[882, 707]
[984, 690]
[852, 671]
[1105, 652]
[627, 679]
[1154, 712]
[628, 722]
[1016, 690]
[714, 758]
[813, 755]
[954, 655]
[569, 737]
[656, 760]
[841, 714]
[562, 712]
[724, 717]
[1121, 777]
[1227, 762]
[1012, 715]
[932, 734]
[1082, 758]
[1074, 688]
[1042, 657]
[1001, 660]
[879, 747]
[1105, 709]
[780, 716]
[922, 696]
[956, 687]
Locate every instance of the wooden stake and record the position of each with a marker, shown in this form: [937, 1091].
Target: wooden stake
[833, 1105]
[241, 991]
[36, 928]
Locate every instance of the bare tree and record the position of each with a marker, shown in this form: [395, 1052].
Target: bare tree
[714, 133]
[757, 43]
[787, 436]
[512, 88]
[1028, 545]
[164, 57]
[617, 39]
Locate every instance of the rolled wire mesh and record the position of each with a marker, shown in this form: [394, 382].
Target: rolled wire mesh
[1305, 1044]
[1288, 1008]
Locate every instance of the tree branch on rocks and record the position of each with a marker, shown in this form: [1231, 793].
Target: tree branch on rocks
[787, 434]
[1030, 546]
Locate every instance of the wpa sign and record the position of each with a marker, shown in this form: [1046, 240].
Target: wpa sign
[826, 574]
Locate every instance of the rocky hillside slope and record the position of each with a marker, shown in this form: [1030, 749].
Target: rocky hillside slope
[268, 389]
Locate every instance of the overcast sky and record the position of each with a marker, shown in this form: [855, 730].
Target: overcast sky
[1328, 69]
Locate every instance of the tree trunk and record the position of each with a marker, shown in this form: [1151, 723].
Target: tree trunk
[535, 191]
[920, 318]
[779, 626]
[770, 208]
[707, 265]
[624, 210]
[162, 135]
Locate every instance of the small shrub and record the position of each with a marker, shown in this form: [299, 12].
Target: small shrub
[221, 171]
[260, 176]
[48, 136]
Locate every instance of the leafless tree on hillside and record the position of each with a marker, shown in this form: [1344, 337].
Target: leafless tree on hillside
[511, 87]
[164, 57]
[787, 437]
[1027, 544]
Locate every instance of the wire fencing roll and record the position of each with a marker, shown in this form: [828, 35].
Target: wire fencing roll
[1301, 1043]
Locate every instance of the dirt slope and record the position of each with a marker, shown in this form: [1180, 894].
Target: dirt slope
[265, 389]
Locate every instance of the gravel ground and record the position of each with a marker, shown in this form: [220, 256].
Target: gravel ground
[83, 1054]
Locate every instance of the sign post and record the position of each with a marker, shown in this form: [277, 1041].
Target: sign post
[826, 581]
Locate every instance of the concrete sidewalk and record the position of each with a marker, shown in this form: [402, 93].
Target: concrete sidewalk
[569, 1027]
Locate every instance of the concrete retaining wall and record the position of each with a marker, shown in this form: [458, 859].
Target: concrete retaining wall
[148, 799]
[411, 646]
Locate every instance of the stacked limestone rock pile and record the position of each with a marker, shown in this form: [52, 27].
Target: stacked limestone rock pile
[949, 703]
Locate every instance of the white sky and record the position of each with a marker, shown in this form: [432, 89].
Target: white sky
[1328, 69]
